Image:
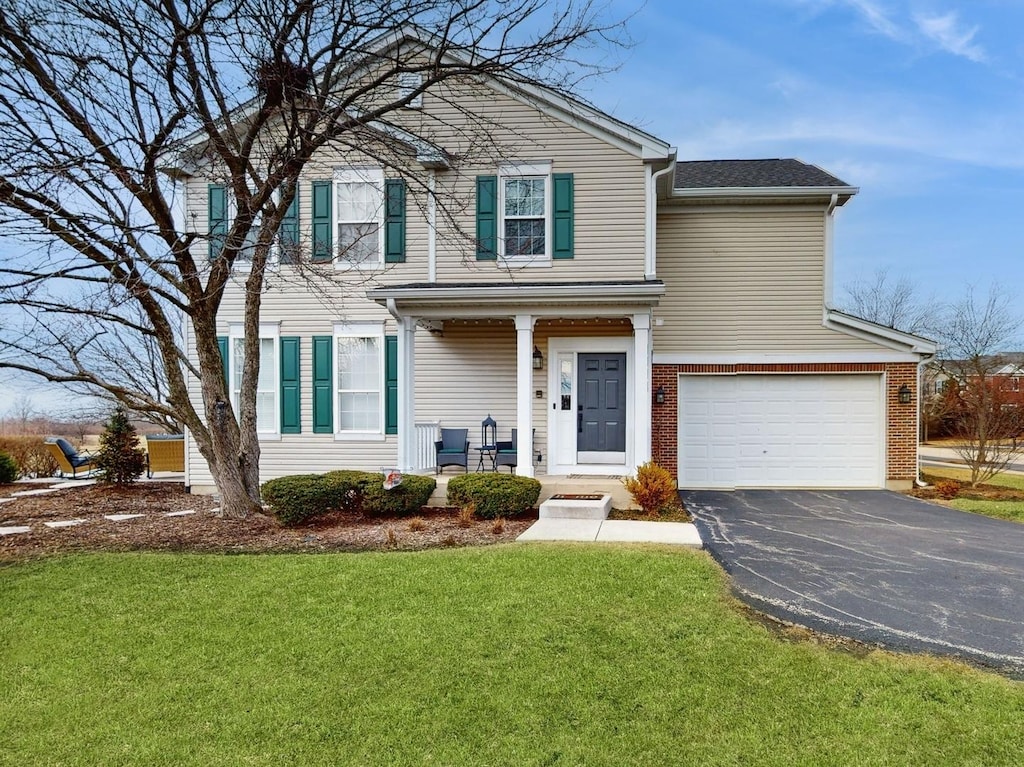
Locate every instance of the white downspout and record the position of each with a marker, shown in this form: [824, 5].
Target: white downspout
[431, 226]
[829, 224]
[920, 387]
[651, 251]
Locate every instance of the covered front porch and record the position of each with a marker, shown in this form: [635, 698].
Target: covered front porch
[568, 365]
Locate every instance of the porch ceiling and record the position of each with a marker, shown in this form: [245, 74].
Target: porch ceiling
[539, 299]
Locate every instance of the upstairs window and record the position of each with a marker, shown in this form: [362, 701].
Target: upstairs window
[358, 219]
[407, 83]
[525, 215]
[359, 215]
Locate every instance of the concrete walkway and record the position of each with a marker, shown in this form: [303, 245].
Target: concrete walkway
[875, 566]
[613, 530]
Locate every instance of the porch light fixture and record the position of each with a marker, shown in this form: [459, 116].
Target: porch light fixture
[904, 394]
[538, 359]
[659, 395]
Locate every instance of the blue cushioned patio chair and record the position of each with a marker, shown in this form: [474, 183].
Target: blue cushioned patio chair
[507, 453]
[452, 449]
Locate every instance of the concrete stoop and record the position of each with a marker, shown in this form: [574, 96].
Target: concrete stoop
[576, 507]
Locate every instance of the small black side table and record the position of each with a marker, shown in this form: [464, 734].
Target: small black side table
[488, 452]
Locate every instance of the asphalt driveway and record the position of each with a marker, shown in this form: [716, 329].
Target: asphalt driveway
[875, 566]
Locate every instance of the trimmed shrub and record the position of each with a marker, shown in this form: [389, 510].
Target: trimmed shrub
[653, 489]
[31, 456]
[494, 495]
[8, 469]
[405, 500]
[296, 499]
[120, 460]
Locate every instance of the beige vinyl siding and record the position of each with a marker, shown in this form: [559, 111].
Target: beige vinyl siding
[744, 280]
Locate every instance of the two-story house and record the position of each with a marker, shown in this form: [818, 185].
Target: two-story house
[579, 284]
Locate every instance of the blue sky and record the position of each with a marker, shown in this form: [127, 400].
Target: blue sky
[920, 103]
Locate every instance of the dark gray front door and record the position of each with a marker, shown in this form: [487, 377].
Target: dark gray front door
[601, 407]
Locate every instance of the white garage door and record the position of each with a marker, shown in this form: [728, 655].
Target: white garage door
[781, 431]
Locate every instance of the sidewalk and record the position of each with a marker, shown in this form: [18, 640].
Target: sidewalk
[613, 531]
[948, 456]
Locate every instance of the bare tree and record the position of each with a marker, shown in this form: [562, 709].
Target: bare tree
[104, 104]
[975, 333]
[894, 303]
[21, 413]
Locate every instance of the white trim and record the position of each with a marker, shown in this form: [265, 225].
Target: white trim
[267, 331]
[537, 170]
[593, 344]
[524, 293]
[784, 358]
[370, 175]
[358, 330]
[829, 247]
[870, 331]
[524, 393]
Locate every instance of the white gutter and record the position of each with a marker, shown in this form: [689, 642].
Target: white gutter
[651, 249]
[765, 191]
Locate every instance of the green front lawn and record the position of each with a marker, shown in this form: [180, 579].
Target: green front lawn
[1012, 481]
[1010, 510]
[509, 655]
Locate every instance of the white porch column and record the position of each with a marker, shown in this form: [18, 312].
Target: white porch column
[642, 383]
[406, 394]
[524, 393]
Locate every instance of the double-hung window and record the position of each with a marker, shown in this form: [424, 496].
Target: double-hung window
[525, 215]
[222, 209]
[359, 215]
[267, 386]
[359, 367]
[524, 199]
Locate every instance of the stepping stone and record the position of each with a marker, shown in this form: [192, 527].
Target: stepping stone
[72, 483]
[177, 513]
[6, 500]
[121, 517]
[14, 529]
[64, 523]
[42, 491]
[562, 530]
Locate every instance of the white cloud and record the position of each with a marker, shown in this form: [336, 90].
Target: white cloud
[878, 18]
[946, 31]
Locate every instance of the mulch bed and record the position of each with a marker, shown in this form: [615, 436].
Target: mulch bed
[204, 531]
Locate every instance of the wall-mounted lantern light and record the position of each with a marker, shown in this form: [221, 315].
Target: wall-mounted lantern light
[905, 394]
[659, 395]
[538, 359]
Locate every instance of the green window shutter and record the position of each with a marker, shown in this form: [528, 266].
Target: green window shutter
[288, 234]
[217, 217]
[562, 246]
[323, 242]
[290, 406]
[323, 394]
[391, 385]
[394, 220]
[222, 344]
[486, 218]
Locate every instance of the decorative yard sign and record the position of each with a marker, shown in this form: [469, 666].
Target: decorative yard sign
[392, 478]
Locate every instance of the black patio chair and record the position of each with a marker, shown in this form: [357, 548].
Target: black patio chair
[452, 449]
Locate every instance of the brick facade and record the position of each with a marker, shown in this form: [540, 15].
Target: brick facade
[901, 431]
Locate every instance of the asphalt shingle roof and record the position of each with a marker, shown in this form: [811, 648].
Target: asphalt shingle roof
[751, 174]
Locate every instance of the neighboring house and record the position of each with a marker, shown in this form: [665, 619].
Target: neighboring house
[617, 304]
